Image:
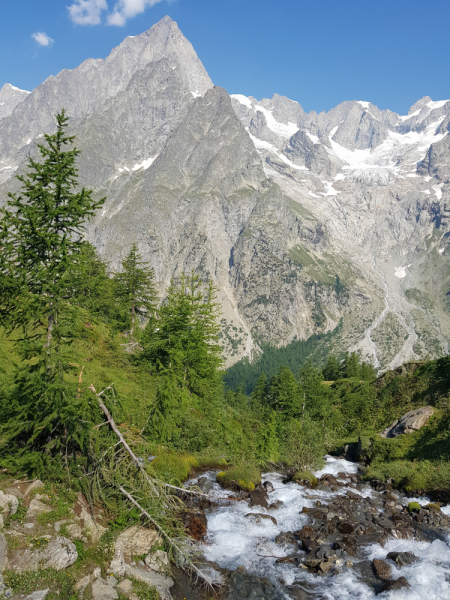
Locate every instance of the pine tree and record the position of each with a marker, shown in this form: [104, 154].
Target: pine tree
[42, 229]
[351, 366]
[135, 287]
[259, 398]
[316, 395]
[41, 235]
[332, 369]
[186, 339]
[88, 284]
[284, 392]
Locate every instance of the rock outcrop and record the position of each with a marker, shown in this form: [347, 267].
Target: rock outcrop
[410, 422]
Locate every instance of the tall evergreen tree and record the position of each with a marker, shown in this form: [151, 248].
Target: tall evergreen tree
[88, 284]
[316, 396]
[41, 231]
[284, 392]
[187, 337]
[331, 370]
[135, 287]
[41, 234]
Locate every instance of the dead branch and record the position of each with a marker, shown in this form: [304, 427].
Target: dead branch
[121, 438]
[174, 545]
[130, 451]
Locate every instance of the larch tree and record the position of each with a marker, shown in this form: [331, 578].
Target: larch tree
[135, 287]
[41, 234]
[41, 230]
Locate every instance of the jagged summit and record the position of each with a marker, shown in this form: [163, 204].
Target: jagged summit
[10, 97]
[303, 220]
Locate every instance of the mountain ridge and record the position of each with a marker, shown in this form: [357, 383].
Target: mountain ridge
[303, 220]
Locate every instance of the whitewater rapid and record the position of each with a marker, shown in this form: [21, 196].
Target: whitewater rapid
[236, 540]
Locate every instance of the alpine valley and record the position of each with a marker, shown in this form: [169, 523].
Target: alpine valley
[307, 223]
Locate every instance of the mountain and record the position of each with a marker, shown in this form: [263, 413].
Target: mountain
[303, 220]
[10, 97]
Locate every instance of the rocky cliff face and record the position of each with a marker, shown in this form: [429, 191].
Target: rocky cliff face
[303, 220]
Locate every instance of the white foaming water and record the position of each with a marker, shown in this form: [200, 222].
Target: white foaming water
[235, 539]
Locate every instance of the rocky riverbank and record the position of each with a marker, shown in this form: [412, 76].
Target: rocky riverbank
[342, 538]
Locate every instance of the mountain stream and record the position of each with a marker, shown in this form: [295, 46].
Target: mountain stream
[321, 543]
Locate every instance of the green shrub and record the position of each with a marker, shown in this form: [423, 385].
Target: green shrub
[433, 507]
[172, 467]
[414, 507]
[303, 444]
[245, 477]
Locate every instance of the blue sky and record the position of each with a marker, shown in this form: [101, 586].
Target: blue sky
[318, 52]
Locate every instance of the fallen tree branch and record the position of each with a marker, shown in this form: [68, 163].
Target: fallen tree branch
[174, 545]
[121, 438]
[129, 450]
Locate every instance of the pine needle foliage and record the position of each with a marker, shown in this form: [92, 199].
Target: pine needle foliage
[41, 235]
[135, 288]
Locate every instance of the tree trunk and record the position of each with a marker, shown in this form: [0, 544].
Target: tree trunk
[132, 320]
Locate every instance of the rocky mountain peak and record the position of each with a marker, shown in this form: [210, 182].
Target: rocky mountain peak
[10, 97]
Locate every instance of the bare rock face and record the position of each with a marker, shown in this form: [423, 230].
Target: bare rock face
[8, 504]
[136, 540]
[3, 553]
[59, 554]
[410, 422]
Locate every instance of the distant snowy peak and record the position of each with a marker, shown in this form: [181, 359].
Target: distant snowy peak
[352, 139]
[10, 97]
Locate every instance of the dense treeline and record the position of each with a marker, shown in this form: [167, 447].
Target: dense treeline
[293, 355]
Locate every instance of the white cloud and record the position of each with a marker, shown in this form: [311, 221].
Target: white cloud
[87, 12]
[126, 9]
[42, 38]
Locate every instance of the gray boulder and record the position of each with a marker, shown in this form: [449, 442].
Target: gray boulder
[410, 422]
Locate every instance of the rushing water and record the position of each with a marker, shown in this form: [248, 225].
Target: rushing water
[235, 540]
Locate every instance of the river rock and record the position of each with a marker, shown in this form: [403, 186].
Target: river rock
[285, 537]
[195, 524]
[259, 497]
[395, 584]
[247, 587]
[411, 421]
[103, 591]
[402, 558]
[381, 569]
[137, 540]
[258, 517]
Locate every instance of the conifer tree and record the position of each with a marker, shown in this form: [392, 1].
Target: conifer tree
[284, 392]
[316, 396]
[332, 369]
[88, 284]
[42, 229]
[260, 393]
[186, 339]
[41, 234]
[135, 287]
